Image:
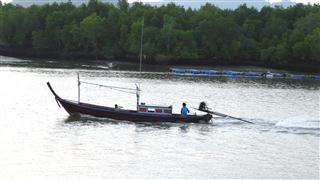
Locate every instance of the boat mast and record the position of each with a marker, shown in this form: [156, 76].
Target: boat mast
[138, 96]
[78, 88]
[141, 43]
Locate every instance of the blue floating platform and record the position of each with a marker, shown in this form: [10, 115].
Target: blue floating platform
[298, 77]
[251, 74]
[208, 72]
[228, 72]
[179, 71]
[192, 71]
[278, 75]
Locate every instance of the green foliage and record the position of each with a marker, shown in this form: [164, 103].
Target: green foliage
[41, 40]
[123, 5]
[71, 37]
[274, 36]
[92, 31]
[275, 54]
[135, 37]
[313, 40]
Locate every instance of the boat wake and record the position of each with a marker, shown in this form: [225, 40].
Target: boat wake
[299, 123]
[295, 122]
[295, 125]
[298, 126]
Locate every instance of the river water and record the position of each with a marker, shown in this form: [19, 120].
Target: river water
[39, 140]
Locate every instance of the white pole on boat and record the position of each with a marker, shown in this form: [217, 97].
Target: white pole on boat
[78, 88]
[138, 96]
[141, 44]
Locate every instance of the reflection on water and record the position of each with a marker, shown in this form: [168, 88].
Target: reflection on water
[39, 139]
[74, 118]
[297, 126]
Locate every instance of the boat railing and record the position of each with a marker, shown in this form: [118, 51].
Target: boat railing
[142, 108]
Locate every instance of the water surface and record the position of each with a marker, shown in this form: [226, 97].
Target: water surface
[38, 139]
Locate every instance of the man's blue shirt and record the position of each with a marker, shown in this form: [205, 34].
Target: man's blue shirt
[184, 110]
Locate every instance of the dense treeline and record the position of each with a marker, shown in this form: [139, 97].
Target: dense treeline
[271, 36]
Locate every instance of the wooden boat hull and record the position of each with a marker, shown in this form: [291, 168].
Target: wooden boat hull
[73, 107]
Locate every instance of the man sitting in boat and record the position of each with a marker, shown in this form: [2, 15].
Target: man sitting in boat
[184, 110]
[116, 107]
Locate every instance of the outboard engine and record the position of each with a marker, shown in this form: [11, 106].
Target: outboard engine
[203, 106]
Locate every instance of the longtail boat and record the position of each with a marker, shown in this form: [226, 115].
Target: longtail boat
[144, 113]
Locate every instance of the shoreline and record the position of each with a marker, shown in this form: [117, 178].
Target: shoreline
[30, 53]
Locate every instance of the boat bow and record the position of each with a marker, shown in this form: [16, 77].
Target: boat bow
[57, 98]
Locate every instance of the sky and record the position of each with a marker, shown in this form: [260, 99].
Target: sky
[300, 1]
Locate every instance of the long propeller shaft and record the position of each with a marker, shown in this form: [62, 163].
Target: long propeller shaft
[223, 115]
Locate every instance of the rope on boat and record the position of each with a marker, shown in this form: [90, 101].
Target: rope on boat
[117, 88]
